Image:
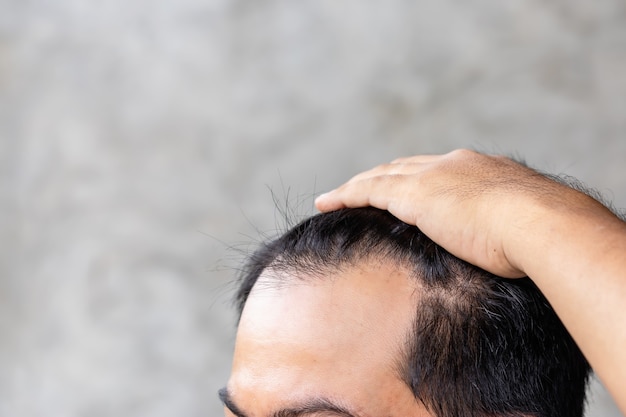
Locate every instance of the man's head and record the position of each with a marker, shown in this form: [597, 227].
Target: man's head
[357, 313]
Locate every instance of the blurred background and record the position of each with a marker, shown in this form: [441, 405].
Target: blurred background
[143, 145]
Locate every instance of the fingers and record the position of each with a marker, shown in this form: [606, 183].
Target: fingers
[357, 192]
[328, 202]
[400, 166]
[375, 187]
[381, 185]
[378, 191]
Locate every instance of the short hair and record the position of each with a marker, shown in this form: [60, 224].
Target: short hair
[480, 345]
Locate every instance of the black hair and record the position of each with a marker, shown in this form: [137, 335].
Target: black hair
[480, 345]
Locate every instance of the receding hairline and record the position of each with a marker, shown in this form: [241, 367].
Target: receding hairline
[282, 270]
[277, 279]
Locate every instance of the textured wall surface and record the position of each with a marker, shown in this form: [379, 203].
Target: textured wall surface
[139, 140]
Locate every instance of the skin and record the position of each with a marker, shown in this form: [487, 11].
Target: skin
[336, 338]
[507, 219]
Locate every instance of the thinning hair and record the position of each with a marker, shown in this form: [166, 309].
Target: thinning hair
[480, 345]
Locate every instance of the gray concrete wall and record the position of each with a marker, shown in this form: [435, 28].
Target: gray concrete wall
[139, 140]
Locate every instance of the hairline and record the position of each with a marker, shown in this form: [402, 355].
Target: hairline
[279, 278]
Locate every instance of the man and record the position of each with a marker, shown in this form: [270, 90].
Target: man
[359, 314]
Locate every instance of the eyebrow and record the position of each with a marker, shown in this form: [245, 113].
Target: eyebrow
[309, 407]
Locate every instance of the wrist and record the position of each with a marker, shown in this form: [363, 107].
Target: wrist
[556, 230]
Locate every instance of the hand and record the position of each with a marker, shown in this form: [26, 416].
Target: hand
[513, 221]
[476, 206]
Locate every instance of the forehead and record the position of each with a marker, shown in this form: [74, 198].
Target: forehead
[372, 297]
[339, 336]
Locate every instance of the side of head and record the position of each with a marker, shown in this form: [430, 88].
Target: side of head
[474, 344]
